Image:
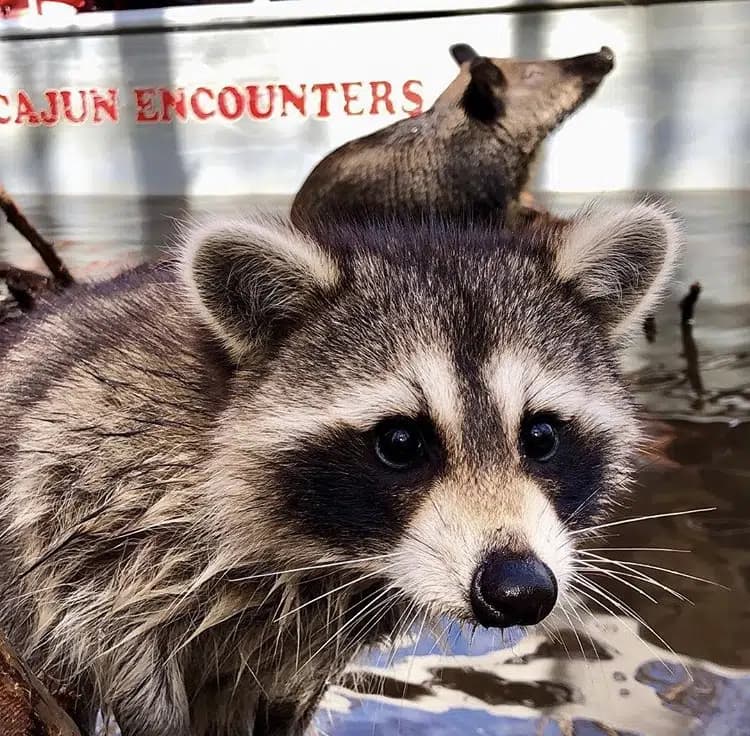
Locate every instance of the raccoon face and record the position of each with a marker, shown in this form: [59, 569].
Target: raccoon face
[440, 403]
[528, 98]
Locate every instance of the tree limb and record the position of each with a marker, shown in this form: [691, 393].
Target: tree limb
[43, 247]
[26, 707]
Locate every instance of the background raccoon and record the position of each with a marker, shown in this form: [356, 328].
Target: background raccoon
[471, 152]
[217, 485]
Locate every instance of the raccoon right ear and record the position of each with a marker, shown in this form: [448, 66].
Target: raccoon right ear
[620, 261]
[253, 280]
[483, 97]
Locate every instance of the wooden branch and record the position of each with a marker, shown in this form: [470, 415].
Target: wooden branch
[24, 286]
[649, 327]
[43, 247]
[26, 707]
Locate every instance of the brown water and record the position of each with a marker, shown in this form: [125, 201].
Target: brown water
[609, 674]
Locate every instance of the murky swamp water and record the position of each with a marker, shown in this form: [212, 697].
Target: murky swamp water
[685, 669]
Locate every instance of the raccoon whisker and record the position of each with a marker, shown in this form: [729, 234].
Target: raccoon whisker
[549, 632]
[417, 610]
[298, 626]
[335, 590]
[340, 563]
[633, 576]
[344, 611]
[631, 549]
[422, 612]
[426, 545]
[431, 551]
[551, 625]
[592, 569]
[581, 506]
[438, 512]
[397, 633]
[575, 632]
[339, 640]
[587, 610]
[473, 633]
[279, 631]
[377, 616]
[438, 639]
[638, 575]
[339, 632]
[646, 566]
[641, 518]
[244, 665]
[626, 609]
[587, 630]
[406, 622]
[619, 616]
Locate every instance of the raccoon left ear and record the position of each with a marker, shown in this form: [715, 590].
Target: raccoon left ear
[251, 281]
[462, 52]
[483, 97]
[620, 260]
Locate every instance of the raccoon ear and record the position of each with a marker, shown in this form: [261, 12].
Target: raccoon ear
[620, 260]
[462, 52]
[483, 99]
[252, 281]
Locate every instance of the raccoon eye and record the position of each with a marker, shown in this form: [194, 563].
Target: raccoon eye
[539, 438]
[399, 444]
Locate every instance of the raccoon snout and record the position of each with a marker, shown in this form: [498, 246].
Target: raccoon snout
[512, 591]
[591, 67]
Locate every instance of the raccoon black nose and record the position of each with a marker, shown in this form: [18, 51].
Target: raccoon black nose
[512, 591]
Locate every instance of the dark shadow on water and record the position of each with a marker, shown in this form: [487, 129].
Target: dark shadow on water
[387, 687]
[495, 690]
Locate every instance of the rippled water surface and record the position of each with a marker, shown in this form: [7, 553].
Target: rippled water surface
[684, 668]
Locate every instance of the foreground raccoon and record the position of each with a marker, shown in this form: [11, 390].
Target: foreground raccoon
[218, 485]
[471, 152]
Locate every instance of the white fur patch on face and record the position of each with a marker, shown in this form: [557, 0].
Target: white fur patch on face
[434, 372]
[435, 561]
[475, 511]
[455, 528]
[519, 384]
[428, 378]
[546, 534]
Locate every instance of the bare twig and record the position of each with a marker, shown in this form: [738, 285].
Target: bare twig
[687, 305]
[43, 247]
[649, 327]
[26, 707]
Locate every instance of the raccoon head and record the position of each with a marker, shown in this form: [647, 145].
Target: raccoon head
[528, 99]
[439, 405]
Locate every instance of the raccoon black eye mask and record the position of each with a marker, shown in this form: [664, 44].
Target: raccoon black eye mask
[219, 482]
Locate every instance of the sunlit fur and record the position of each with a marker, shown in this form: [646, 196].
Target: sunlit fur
[194, 532]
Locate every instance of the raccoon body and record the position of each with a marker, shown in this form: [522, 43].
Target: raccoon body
[218, 483]
[472, 152]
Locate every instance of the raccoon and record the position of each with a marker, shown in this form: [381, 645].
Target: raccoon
[219, 482]
[472, 152]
